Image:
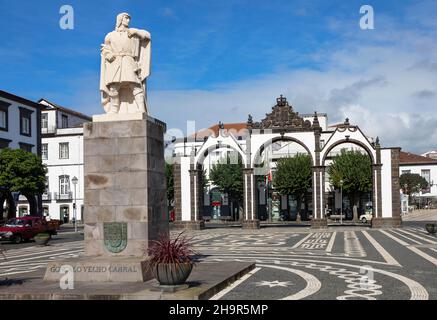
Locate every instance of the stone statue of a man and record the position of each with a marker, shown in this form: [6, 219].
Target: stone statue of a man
[125, 66]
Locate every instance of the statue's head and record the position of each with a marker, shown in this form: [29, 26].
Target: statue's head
[123, 19]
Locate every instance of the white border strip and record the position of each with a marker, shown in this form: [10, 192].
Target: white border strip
[387, 256]
[418, 237]
[331, 242]
[219, 295]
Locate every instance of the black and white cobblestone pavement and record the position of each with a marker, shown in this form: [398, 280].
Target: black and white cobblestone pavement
[295, 263]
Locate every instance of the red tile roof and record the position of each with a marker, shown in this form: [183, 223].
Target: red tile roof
[237, 129]
[411, 158]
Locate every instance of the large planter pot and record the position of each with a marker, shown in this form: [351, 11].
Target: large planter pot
[42, 239]
[169, 274]
[431, 228]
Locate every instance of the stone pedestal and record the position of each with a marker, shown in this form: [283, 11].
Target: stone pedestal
[102, 269]
[395, 222]
[319, 223]
[251, 224]
[125, 197]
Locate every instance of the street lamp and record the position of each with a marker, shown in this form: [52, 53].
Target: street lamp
[74, 181]
[341, 199]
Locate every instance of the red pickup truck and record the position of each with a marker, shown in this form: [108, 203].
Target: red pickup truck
[25, 228]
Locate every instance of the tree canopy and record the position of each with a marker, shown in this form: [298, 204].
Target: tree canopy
[293, 175]
[22, 171]
[228, 177]
[412, 183]
[353, 168]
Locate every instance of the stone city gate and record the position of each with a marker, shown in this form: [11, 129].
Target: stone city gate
[283, 124]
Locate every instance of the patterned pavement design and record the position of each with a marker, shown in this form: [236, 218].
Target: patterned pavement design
[354, 263]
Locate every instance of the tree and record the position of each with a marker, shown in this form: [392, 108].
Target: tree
[23, 172]
[354, 169]
[228, 177]
[293, 176]
[412, 183]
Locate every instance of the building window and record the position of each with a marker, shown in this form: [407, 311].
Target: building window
[25, 126]
[64, 120]
[4, 143]
[406, 171]
[3, 118]
[64, 185]
[44, 121]
[44, 151]
[63, 150]
[4, 115]
[25, 122]
[427, 175]
[25, 146]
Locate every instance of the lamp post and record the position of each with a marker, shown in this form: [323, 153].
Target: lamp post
[74, 180]
[341, 199]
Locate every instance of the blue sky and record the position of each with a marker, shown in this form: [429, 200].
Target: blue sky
[220, 60]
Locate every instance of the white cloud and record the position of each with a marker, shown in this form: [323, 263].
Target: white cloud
[383, 89]
[384, 80]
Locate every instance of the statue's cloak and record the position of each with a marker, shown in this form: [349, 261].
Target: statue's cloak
[143, 50]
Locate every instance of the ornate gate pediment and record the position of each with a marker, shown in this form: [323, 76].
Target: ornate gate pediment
[282, 118]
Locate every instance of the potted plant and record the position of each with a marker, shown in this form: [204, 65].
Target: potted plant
[431, 228]
[171, 260]
[42, 238]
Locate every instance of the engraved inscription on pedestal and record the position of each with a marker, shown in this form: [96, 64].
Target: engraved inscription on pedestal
[115, 236]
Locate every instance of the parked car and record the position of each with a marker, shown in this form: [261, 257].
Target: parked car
[25, 228]
[366, 217]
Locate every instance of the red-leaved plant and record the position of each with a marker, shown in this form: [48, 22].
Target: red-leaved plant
[175, 251]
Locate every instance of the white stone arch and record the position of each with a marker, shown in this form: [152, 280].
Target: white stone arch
[304, 139]
[214, 143]
[349, 134]
[353, 135]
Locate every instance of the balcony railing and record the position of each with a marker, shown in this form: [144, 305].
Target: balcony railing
[63, 196]
[48, 130]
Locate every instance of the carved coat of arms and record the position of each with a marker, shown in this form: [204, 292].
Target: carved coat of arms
[115, 236]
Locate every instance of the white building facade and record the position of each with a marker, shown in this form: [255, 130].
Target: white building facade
[426, 167]
[62, 153]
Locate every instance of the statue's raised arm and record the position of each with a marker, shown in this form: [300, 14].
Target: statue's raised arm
[125, 65]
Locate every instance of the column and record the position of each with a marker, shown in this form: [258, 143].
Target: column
[376, 189]
[177, 189]
[250, 218]
[319, 219]
[196, 222]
